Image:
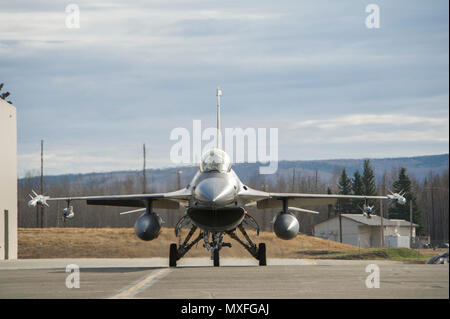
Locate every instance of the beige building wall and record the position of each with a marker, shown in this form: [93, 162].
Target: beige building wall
[330, 230]
[357, 234]
[401, 230]
[8, 181]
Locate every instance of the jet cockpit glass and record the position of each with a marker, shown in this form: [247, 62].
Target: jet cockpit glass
[215, 160]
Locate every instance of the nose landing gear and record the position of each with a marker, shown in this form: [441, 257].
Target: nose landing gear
[215, 246]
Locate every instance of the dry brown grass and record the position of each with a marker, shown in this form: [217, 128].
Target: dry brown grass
[123, 243]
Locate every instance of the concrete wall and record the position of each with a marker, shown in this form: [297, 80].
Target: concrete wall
[8, 180]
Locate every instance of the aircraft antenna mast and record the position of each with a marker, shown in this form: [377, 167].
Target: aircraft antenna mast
[144, 180]
[219, 135]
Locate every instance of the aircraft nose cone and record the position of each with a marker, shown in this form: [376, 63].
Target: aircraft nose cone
[214, 190]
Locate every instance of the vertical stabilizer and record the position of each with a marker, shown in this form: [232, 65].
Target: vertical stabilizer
[219, 135]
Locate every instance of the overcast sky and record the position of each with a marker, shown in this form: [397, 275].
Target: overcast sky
[135, 70]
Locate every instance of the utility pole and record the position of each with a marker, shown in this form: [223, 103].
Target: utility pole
[42, 182]
[433, 221]
[340, 221]
[144, 182]
[316, 187]
[172, 216]
[434, 234]
[329, 206]
[293, 181]
[428, 222]
[316, 181]
[264, 217]
[410, 222]
[382, 191]
[179, 179]
[381, 221]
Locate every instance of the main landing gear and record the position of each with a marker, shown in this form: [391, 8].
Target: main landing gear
[213, 242]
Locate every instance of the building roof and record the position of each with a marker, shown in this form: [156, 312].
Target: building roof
[374, 220]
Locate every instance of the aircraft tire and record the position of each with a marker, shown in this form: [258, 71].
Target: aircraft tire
[173, 255]
[262, 254]
[216, 258]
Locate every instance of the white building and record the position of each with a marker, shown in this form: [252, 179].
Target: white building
[358, 230]
[8, 181]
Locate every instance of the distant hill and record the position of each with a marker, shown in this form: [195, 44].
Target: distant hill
[417, 166]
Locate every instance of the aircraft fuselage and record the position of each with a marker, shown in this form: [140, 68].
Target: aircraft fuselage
[215, 205]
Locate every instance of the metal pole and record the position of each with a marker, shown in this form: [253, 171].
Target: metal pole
[340, 222]
[432, 228]
[219, 136]
[264, 217]
[42, 182]
[329, 206]
[144, 182]
[428, 222]
[410, 223]
[37, 215]
[293, 181]
[316, 181]
[179, 179]
[382, 226]
[175, 215]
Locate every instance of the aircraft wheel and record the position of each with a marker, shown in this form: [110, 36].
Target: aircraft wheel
[262, 254]
[216, 258]
[173, 254]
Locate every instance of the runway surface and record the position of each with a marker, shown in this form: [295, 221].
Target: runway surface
[236, 278]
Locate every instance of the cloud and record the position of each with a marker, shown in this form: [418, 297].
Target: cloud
[370, 137]
[136, 69]
[367, 119]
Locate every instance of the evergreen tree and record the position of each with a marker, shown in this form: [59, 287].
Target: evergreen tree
[345, 188]
[358, 189]
[398, 211]
[368, 181]
[345, 185]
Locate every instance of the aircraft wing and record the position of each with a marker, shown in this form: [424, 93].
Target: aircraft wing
[265, 200]
[300, 199]
[170, 200]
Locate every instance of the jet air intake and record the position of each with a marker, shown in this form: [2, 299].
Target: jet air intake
[148, 226]
[286, 226]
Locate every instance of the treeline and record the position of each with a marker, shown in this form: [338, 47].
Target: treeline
[364, 184]
[430, 198]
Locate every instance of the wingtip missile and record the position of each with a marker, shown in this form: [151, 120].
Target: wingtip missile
[397, 197]
[38, 200]
[367, 210]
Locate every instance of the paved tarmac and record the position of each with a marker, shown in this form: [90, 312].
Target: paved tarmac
[236, 279]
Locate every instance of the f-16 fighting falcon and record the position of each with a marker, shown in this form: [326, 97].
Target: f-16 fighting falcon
[215, 202]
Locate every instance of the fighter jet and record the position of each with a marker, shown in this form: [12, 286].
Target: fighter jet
[215, 203]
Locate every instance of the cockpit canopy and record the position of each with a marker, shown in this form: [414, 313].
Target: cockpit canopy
[215, 160]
